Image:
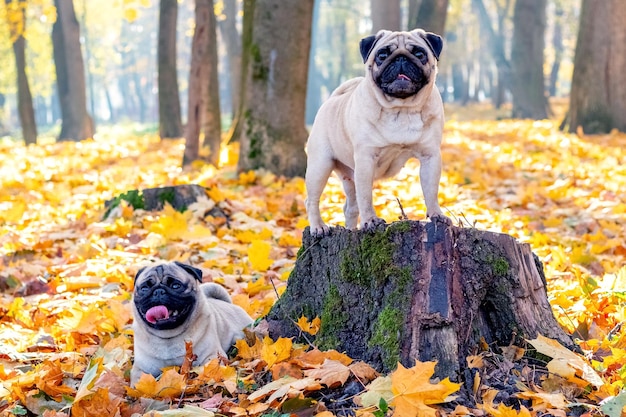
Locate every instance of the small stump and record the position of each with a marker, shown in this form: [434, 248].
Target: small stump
[416, 290]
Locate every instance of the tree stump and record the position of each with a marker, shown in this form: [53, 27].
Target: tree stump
[416, 290]
[180, 197]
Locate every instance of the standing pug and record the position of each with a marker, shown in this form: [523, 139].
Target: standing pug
[370, 126]
[171, 306]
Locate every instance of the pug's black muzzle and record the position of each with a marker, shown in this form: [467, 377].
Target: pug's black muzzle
[401, 77]
[178, 306]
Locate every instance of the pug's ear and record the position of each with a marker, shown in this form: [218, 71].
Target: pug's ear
[367, 44]
[194, 272]
[435, 42]
[139, 273]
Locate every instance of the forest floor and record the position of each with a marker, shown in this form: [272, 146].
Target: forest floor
[66, 275]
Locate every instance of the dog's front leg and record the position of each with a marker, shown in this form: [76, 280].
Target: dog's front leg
[430, 174]
[364, 162]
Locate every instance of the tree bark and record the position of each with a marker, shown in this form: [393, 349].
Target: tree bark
[232, 39]
[24, 97]
[170, 124]
[197, 91]
[70, 70]
[276, 56]
[598, 95]
[385, 14]
[528, 81]
[431, 16]
[496, 38]
[416, 290]
[557, 44]
[212, 125]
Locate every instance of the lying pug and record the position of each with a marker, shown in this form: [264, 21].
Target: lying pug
[171, 306]
[370, 126]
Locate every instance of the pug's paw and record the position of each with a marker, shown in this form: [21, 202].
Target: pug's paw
[373, 223]
[440, 218]
[320, 231]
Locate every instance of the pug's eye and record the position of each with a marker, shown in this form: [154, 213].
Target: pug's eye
[382, 55]
[419, 54]
[174, 283]
[145, 287]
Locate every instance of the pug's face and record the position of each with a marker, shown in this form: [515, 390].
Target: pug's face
[165, 295]
[402, 63]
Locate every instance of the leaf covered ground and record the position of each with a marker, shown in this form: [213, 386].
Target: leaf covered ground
[66, 276]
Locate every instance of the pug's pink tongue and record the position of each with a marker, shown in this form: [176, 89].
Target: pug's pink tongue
[157, 313]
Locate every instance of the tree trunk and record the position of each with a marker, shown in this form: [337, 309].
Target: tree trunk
[70, 71]
[232, 39]
[276, 55]
[385, 15]
[598, 95]
[527, 80]
[24, 98]
[496, 39]
[416, 290]
[170, 124]
[413, 11]
[236, 127]
[198, 81]
[431, 16]
[557, 44]
[315, 77]
[212, 125]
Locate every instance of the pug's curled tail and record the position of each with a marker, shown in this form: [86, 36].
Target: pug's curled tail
[212, 290]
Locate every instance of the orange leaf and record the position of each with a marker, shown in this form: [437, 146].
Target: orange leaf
[309, 327]
[171, 384]
[274, 352]
[98, 404]
[564, 362]
[190, 357]
[413, 390]
[259, 255]
[50, 381]
[245, 351]
[332, 373]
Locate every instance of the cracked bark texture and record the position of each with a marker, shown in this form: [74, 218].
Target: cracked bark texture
[416, 290]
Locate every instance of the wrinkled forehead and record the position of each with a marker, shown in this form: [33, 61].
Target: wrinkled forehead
[161, 272]
[401, 40]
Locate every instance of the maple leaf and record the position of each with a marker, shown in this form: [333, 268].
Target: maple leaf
[311, 327]
[259, 255]
[169, 385]
[380, 388]
[363, 372]
[89, 379]
[566, 363]
[315, 357]
[99, 403]
[332, 373]
[50, 381]
[413, 391]
[171, 224]
[274, 352]
[279, 389]
[245, 351]
[543, 400]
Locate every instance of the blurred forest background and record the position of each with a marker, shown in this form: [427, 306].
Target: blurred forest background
[238, 68]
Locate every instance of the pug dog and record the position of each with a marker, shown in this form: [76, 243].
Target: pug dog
[370, 126]
[171, 306]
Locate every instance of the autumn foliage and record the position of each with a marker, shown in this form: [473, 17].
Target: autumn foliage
[66, 277]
